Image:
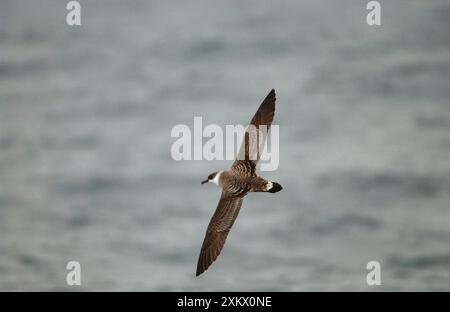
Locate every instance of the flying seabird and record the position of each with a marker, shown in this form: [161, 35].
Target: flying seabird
[236, 182]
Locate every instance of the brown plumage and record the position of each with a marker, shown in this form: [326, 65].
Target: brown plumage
[236, 182]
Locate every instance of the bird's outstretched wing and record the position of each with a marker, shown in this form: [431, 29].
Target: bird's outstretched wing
[255, 137]
[221, 222]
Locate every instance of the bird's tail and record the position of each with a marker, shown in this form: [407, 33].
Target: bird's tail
[275, 188]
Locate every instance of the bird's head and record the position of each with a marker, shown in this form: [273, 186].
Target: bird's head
[213, 177]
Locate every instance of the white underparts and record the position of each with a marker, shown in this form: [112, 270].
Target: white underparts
[216, 178]
[269, 186]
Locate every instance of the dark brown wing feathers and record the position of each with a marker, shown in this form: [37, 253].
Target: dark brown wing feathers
[250, 152]
[266, 111]
[226, 213]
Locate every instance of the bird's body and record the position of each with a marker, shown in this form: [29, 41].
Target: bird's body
[237, 182]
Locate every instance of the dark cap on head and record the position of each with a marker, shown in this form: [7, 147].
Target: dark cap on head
[210, 177]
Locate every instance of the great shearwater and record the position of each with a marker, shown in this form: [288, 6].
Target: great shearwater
[236, 182]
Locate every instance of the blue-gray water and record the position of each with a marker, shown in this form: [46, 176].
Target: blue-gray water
[85, 120]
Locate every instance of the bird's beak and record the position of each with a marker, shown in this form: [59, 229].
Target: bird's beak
[206, 181]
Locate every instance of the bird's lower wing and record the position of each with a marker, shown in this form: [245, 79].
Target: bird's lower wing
[226, 213]
[255, 136]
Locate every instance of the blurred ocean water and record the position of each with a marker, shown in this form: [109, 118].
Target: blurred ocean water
[85, 120]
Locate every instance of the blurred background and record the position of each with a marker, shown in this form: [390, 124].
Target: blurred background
[86, 173]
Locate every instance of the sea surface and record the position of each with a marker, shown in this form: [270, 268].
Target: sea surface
[86, 173]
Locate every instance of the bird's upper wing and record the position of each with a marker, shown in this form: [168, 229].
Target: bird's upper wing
[255, 136]
[221, 222]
